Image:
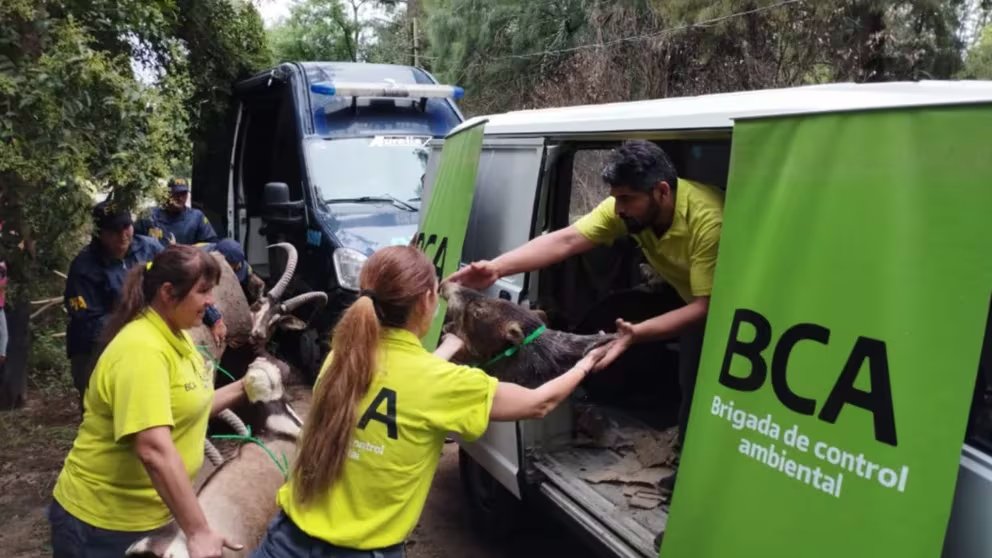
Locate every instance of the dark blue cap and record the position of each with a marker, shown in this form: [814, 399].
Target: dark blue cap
[178, 185]
[234, 255]
[108, 215]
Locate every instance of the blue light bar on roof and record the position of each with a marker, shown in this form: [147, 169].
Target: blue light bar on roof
[386, 89]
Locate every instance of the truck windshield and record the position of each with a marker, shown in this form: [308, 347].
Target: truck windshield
[360, 169]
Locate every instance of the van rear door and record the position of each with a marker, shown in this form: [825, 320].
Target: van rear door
[502, 218]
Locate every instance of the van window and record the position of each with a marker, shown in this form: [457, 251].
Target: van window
[285, 165]
[355, 167]
[980, 418]
[505, 192]
[256, 151]
[706, 161]
[270, 149]
[588, 189]
[574, 287]
[335, 117]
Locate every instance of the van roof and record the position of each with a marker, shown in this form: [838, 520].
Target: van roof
[718, 111]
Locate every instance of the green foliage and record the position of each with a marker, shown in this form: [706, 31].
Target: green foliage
[137, 28]
[978, 64]
[394, 42]
[98, 96]
[74, 120]
[315, 30]
[105, 94]
[224, 40]
[581, 51]
[472, 43]
[49, 367]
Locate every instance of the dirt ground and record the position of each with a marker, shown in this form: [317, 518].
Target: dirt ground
[444, 528]
[35, 440]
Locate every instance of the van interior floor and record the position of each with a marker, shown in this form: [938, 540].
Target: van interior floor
[613, 468]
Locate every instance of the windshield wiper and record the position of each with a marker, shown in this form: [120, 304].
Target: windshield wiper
[370, 199]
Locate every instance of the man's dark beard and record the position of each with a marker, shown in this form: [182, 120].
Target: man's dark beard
[633, 225]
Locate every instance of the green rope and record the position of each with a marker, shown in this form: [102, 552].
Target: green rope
[513, 350]
[283, 465]
[216, 364]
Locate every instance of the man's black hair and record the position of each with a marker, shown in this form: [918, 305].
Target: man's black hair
[639, 164]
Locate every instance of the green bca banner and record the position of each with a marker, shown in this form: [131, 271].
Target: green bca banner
[843, 339]
[442, 226]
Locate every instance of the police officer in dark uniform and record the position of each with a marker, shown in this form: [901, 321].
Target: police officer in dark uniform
[251, 284]
[174, 223]
[96, 277]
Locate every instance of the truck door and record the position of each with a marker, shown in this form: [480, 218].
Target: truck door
[267, 150]
[502, 218]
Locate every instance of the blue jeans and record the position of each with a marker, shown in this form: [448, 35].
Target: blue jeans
[285, 540]
[74, 538]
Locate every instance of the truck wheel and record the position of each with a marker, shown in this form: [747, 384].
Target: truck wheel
[301, 350]
[310, 353]
[494, 511]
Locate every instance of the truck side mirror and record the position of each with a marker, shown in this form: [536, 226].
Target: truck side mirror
[278, 208]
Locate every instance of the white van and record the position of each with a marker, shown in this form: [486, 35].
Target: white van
[538, 172]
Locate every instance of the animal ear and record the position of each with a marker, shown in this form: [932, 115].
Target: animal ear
[514, 333]
[292, 323]
[541, 315]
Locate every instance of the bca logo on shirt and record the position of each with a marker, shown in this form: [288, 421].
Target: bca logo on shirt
[388, 418]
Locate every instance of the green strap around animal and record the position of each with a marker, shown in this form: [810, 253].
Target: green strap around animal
[203, 351]
[513, 350]
[283, 465]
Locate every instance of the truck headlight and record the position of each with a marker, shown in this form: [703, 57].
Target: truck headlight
[347, 266]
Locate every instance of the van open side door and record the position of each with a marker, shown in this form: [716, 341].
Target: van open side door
[503, 214]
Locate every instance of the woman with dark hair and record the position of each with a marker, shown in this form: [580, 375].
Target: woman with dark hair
[146, 409]
[381, 409]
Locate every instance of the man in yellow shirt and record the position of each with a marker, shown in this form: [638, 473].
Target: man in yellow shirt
[677, 224]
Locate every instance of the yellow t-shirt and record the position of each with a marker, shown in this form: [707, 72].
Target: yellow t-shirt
[685, 256]
[413, 402]
[146, 377]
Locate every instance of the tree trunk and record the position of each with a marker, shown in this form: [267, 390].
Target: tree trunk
[14, 373]
[873, 38]
[358, 31]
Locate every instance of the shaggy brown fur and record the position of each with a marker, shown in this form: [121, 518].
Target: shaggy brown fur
[488, 326]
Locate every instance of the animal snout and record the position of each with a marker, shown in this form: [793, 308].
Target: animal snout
[449, 289]
[604, 339]
[257, 335]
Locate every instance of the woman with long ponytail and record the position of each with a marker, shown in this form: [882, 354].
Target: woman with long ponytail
[145, 415]
[381, 409]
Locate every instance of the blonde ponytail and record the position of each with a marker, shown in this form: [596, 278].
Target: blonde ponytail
[328, 430]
